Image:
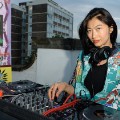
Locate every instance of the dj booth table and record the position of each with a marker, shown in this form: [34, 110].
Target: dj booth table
[26, 100]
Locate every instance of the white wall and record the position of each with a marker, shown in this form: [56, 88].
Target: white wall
[52, 65]
[29, 74]
[55, 65]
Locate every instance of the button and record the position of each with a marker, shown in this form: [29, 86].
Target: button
[1, 93]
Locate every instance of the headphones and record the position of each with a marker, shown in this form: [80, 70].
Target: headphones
[98, 54]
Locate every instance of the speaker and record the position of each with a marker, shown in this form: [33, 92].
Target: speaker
[98, 54]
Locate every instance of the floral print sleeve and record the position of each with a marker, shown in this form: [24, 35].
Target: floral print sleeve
[78, 70]
[77, 81]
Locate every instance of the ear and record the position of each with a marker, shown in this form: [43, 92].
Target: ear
[111, 29]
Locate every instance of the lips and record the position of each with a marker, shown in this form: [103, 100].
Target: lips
[95, 41]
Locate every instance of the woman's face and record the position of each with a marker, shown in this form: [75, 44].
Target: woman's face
[99, 33]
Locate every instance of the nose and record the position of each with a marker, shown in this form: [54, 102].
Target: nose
[94, 33]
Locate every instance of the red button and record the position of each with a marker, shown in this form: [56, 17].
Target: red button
[1, 93]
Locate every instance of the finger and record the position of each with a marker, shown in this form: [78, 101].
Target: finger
[50, 92]
[54, 91]
[58, 92]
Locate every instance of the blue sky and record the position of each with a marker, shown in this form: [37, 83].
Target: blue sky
[80, 8]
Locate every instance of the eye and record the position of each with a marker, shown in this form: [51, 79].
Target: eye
[98, 28]
[88, 30]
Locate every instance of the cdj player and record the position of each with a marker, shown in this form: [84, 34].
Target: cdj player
[100, 112]
[27, 100]
[93, 111]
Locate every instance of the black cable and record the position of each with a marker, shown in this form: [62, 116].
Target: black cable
[80, 94]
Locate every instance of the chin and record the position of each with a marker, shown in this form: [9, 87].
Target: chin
[99, 46]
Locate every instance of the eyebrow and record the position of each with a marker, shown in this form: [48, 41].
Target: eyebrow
[95, 26]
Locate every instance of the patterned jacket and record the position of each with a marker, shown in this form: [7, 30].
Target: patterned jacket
[110, 95]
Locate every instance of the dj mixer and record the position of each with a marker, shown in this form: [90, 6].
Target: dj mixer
[34, 97]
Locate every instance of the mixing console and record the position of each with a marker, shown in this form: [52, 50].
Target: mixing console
[35, 99]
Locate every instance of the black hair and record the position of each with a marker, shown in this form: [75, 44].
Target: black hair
[102, 15]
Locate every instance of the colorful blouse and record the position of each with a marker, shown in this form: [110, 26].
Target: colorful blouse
[110, 95]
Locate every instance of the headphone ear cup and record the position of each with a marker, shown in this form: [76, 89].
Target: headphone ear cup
[94, 59]
[105, 52]
[98, 54]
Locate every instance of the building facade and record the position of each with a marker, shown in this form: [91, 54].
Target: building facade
[41, 19]
[18, 32]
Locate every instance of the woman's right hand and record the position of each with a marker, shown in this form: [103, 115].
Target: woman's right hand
[57, 88]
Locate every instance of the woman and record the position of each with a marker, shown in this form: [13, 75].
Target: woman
[99, 63]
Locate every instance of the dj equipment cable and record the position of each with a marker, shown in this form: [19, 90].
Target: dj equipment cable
[65, 105]
[3, 96]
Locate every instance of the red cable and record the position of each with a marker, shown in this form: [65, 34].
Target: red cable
[69, 98]
[64, 106]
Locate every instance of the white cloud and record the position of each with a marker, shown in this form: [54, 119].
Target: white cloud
[119, 31]
[118, 38]
[117, 18]
[18, 1]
